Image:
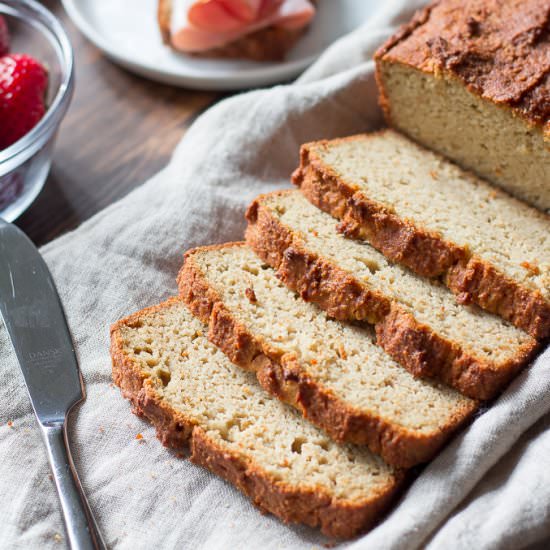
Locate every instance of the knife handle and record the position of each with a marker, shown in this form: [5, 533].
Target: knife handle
[81, 526]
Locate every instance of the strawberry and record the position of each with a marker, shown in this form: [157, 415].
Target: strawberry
[23, 82]
[4, 37]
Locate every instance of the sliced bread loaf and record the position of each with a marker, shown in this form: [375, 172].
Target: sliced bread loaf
[471, 80]
[333, 372]
[438, 220]
[193, 395]
[417, 321]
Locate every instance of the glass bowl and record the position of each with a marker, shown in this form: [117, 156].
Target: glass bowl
[25, 164]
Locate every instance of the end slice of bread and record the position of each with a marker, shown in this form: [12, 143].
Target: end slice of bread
[269, 44]
[194, 396]
[417, 321]
[483, 102]
[426, 213]
[334, 373]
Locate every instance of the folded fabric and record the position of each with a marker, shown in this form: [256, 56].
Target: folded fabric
[490, 488]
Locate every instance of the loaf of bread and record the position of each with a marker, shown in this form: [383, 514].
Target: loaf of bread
[417, 321]
[334, 373]
[192, 394]
[270, 43]
[471, 80]
[339, 302]
[424, 212]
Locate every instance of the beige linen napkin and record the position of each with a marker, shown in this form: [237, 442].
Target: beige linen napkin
[490, 488]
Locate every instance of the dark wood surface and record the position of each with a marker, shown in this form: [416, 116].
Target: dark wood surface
[120, 130]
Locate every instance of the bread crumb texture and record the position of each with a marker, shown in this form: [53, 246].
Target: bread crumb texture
[430, 302]
[364, 377]
[464, 210]
[197, 381]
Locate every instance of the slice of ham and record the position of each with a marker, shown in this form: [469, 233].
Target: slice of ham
[199, 25]
[225, 15]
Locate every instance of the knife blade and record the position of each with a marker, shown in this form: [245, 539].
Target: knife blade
[34, 318]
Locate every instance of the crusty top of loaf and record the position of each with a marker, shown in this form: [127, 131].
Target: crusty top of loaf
[500, 50]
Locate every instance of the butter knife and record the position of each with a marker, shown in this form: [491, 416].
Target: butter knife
[36, 324]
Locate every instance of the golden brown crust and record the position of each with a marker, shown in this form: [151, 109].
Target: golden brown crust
[363, 218]
[269, 44]
[477, 281]
[471, 278]
[414, 345]
[283, 376]
[315, 508]
[316, 280]
[336, 517]
[498, 50]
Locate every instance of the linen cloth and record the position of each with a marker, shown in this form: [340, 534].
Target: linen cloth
[490, 488]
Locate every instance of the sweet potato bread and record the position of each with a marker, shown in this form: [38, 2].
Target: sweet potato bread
[471, 80]
[334, 373]
[426, 213]
[268, 44]
[417, 321]
[194, 396]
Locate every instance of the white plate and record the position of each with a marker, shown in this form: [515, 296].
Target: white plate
[127, 32]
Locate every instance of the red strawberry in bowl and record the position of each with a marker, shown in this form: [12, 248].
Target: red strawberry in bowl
[23, 83]
[4, 37]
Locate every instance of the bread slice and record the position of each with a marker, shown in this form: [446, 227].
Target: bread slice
[268, 44]
[193, 395]
[429, 215]
[334, 373]
[471, 81]
[417, 321]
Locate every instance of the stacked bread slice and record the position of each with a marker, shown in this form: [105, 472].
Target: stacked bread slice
[429, 215]
[194, 396]
[375, 359]
[417, 320]
[334, 373]
[359, 326]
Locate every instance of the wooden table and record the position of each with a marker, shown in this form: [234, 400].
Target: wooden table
[119, 131]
